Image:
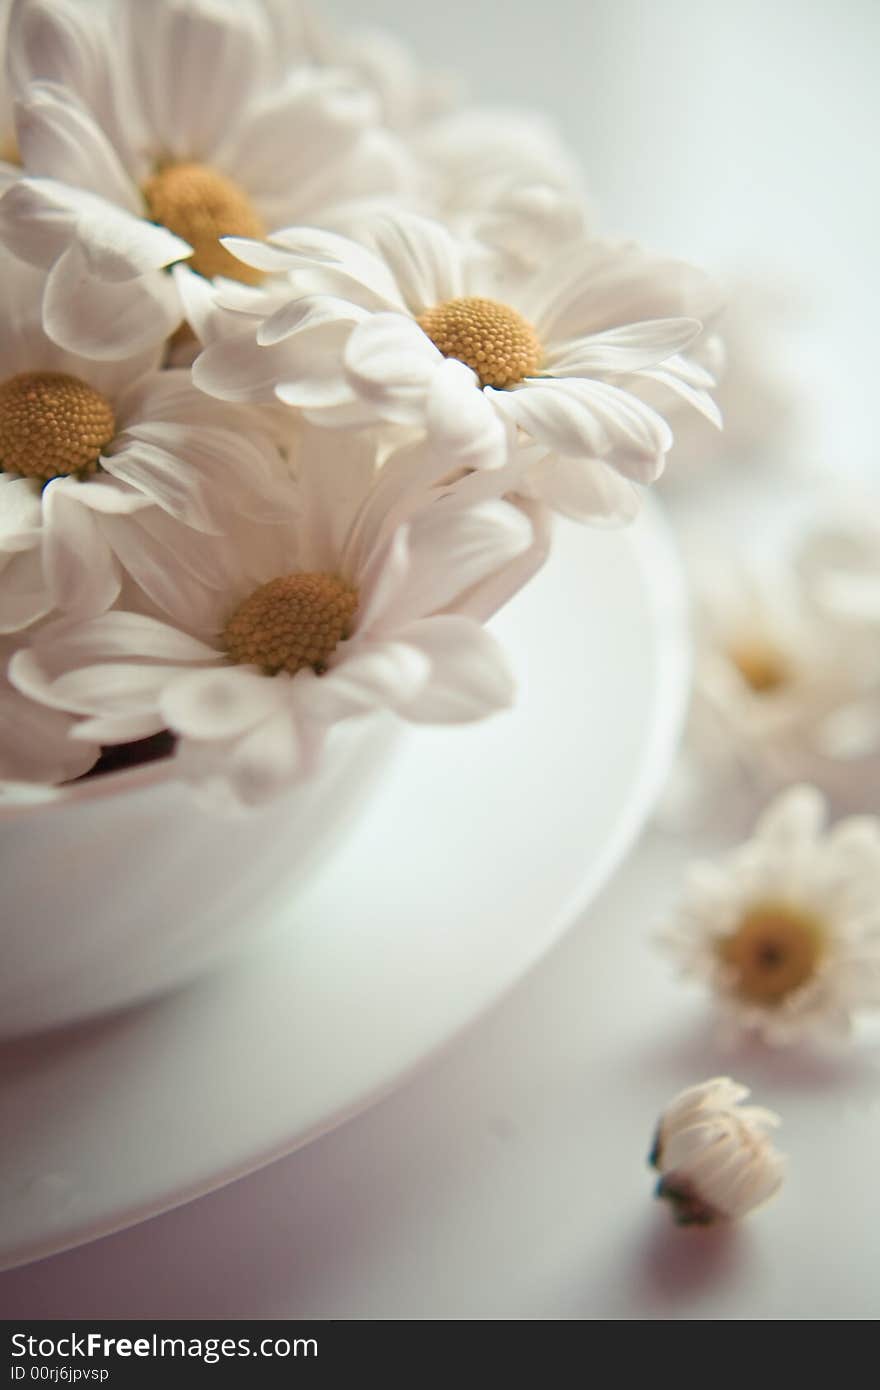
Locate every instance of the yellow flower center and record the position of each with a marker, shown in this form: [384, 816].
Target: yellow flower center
[292, 622]
[490, 338]
[51, 425]
[199, 205]
[762, 666]
[9, 151]
[774, 950]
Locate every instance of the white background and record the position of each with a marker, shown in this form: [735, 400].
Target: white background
[508, 1178]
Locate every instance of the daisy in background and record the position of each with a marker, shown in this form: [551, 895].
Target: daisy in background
[838, 563]
[345, 610]
[408, 95]
[504, 177]
[785, 929]
[94, 453]
[762, 397]
[186, 126]
[437, 335]
[714, 1155]
[498, 173]
[782, 690]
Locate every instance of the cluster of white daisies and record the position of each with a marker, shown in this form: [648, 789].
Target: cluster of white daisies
[298, 357]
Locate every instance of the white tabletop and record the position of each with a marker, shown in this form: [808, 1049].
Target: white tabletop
[507, 1179]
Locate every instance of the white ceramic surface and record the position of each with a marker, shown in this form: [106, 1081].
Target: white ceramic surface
[480, 846]
[127, 887]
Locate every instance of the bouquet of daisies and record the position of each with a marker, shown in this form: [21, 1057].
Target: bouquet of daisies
[299, 356]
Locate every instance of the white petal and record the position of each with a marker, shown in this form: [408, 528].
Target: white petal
[220, 702]
[390, 363]
[380, 675]
[613, 285]
[675, 381]
[50, 40]
[328, 114]
[116, 244]
[117, 635]
[41, 750]
[462, 421]
[312, 311]
[325, 263]
[59, 139]
[626, 349]
[423, 257]
[587, 490]
[81, 572]
[24, 594]
[266, 760]
[452, 549]
[21, 512]
[579, 418]
[105, 320]
[194, 65]
[470, 677]
[113, 687]
[794, 820]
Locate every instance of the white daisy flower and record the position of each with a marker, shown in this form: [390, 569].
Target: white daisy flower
[762, 397]
[187, 130]
[91, 454]
[430, 333]
[781, 691]
[408, 95]
[504, 177]
[838, 563]
[342, 611]
[785, 929]
[714, 1155]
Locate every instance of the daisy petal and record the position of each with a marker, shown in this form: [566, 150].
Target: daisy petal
[794, 820]
[95, 318]
[423, 257]
[390, 362]
[627, 349]
[470, 677]
[81, 572]
[219, 703]
[312, 311]
[579, 418]
[379, 675]
[587, 490]
[452, 549]
[266, 760]
[59, 139]
[461, 420]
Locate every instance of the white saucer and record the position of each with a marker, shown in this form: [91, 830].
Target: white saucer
[483, 845]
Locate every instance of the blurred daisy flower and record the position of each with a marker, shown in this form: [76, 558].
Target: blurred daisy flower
[714, 1154]
[785, 929]
[783, 689]
[182, 125]
[762, 396]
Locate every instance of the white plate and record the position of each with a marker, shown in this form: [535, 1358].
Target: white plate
[480, 849]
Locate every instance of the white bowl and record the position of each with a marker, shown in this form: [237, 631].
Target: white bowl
[125, 887]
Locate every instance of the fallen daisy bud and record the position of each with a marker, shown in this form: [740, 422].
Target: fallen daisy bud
[714, 1157]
